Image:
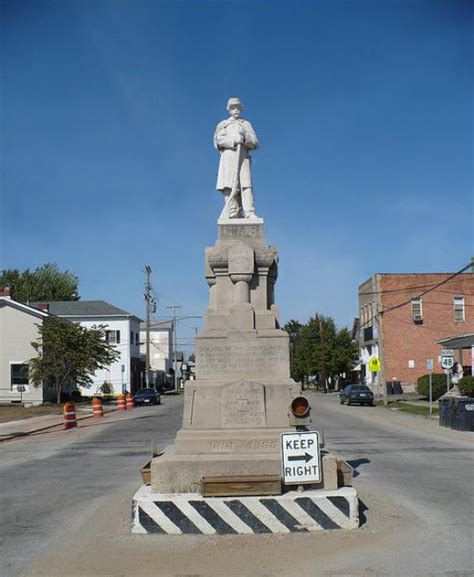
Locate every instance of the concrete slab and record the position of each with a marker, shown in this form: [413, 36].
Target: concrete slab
[293, 512]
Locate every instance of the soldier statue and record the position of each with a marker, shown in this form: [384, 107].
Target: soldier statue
[234, 138]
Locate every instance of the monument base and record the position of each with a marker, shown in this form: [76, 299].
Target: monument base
[172, 472]
[293, 512]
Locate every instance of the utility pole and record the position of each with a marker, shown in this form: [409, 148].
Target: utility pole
[378, 315]
[175, 361]
[323, 364]
[150, 308]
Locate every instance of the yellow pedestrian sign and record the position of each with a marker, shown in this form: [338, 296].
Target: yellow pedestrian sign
[374, 364]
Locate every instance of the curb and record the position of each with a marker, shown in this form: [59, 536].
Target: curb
[21, 435]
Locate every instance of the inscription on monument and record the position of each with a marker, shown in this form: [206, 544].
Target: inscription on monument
[241, 231]
[252, 359]
[238, 446]
[243, 405]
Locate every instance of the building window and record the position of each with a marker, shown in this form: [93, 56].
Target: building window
[19, 376]
[132, 337]
[416, 310]
[112, 337]
[458, 309]
[137, 339]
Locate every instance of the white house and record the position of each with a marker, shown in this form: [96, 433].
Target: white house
[121, 329]
[18, 329]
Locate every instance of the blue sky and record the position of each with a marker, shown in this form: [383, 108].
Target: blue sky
[363, 111]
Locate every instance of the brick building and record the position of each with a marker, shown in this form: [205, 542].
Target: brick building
[403, 315]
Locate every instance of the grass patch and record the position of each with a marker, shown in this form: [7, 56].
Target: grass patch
[411, 408]
[15, 412]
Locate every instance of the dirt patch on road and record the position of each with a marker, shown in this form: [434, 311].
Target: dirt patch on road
[104, 547]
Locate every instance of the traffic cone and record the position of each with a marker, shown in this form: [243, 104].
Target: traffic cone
[69, 416]
[129, 401]
[121, 406]
[97, 409]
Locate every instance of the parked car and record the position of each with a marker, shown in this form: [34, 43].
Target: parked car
[147, 397]
[356, 394]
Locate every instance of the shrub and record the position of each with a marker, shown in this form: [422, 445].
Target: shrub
[438, 385]
[76, 396]
[466, 386]
[106, 388]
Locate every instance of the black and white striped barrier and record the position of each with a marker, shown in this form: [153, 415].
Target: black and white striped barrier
[174, 514]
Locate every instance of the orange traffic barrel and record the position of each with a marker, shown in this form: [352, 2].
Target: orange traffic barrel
[121, 406]
[69, 416]
[129, 401]
[97, 409]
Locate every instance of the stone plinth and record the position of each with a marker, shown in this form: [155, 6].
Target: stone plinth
[236, 410]
[190, 513]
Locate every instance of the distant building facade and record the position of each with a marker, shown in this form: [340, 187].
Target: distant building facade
[401, 316]
[19, 327]
[122, 329]
[161, 349]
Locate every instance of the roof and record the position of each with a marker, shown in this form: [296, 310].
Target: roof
[86, 309]
[458, 342]
[7, 301]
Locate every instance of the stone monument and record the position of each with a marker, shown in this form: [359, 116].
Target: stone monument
[243, 398]
[239, 404]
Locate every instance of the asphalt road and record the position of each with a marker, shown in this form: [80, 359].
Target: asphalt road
[52, 483]
[420, 474]
[65, 504]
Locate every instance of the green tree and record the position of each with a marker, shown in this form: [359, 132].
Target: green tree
[45, 283]
[69, 354]
[294, 328]
[320, 349]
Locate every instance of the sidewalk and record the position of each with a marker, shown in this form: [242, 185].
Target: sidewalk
[31, 425]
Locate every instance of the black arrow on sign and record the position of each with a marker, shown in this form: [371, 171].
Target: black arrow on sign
[306, 457]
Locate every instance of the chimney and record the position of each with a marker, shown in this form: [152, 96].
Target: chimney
[5, 292]
[42, 307]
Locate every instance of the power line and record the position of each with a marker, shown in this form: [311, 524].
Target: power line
[428, 290]
[408, 288]
[369, 322]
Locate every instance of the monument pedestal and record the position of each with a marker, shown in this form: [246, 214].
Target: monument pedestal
[236, 410]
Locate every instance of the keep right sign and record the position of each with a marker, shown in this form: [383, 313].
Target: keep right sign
[301, 459]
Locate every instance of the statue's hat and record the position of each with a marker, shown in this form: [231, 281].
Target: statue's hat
[234, 102]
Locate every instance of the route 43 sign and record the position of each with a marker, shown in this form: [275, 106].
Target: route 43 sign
[301, 458]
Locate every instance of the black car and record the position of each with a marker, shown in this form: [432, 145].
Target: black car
[147, 397]
[356, 394]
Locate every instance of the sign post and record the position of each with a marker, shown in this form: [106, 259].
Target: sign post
[429, 366]
[301, 458]
[374, 367]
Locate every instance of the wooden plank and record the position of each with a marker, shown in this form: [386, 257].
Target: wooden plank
[241, 486]
[146, 473]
